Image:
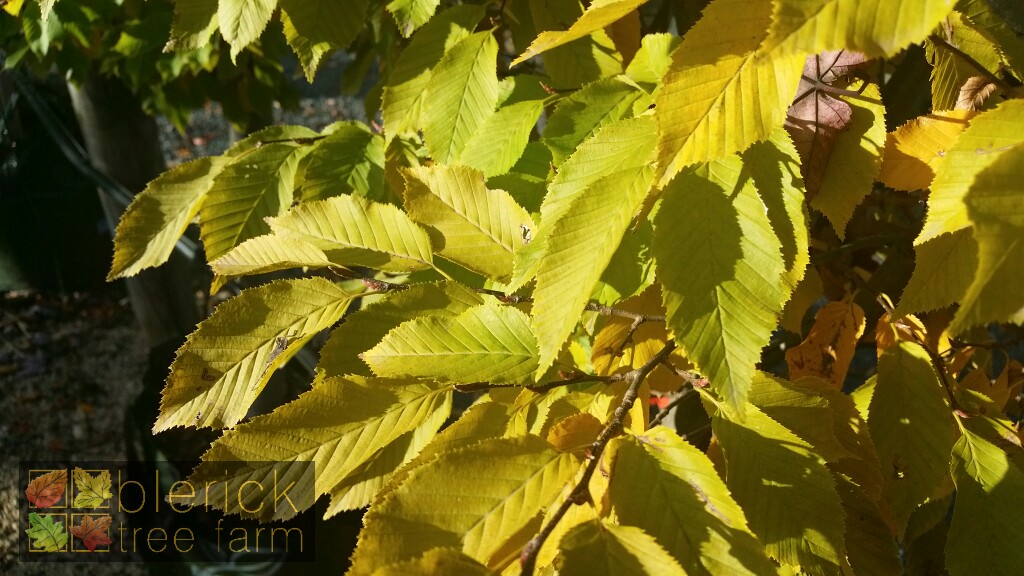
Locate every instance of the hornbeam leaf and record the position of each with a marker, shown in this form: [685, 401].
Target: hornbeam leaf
[327, 432]
[984, 536]
[194, 23]
[242, 21]
[473, 226]
[995, 21]
[486, 343]
[621, 150]
[255, 184]
[315, 27]
[45, 8]
[366, 327]
[580, 114]
[579, 62]
[158, 216]
[269, 253]
[462, 92]
[600, 548]
[601, 13]
[404, 92]
[350, 160]
[579, 247]
[437, 562]
[653, 58]
[720, 265]
[662, 484]
[411, 14]
[871, 546]
[720, 95]
[913, 150]
[500, 141]
[857, 151]
[949, 70]
[830, 345]
[775, 167]
[353, 230]
[785, 489]
[944, 267]
[988, 135]
[913, 430]
[360, 487]
[872, 27]
[994, 205]
[225, 363]
[444, 504]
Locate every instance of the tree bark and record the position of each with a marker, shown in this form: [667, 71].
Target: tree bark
[123, 142]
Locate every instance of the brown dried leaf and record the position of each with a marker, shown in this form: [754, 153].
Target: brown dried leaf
[816, 118]
[974, 92]
[828, 349]
[92, 531]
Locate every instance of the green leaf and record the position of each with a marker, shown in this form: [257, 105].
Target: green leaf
[775, 167]
[269, 253]
[720, 267]
[984, 537]
[225, 363]
[330, 430]
[599, 14]
[802, 412]
[350, 160]
[913, 430]
[653, 58]
[581, 238]
[663, 484]
[993, 19]
[870, 544]
[619, 150]
[720, 95]
[45, 8]
[949, 69]
[478, 228]
[254, 185]
[578, 116]
[315, 27]
[194, 22]
[600, 548]
[944, 267]
[354, 231]
[579, 62]
[411, 14]
[787, 492]
[444, 504]
[365, 328]
[462, 92]
[857, 150]
[486, 343]
[501, 140]
[158, 216]
[994, 205]
[436, 562]
[988, 135]
[46, 535]
[405, 90]
[872, 27]
[242, 21]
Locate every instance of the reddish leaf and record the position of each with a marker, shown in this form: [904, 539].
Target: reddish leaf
[92, 531]
[46, 490]
[816, 117]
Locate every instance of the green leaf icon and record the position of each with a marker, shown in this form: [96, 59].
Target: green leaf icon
[46, 535]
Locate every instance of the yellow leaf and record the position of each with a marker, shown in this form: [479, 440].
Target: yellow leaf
[828, 349]
[575, 432]
[601, 13]
[913, 150]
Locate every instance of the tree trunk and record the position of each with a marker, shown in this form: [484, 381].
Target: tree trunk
[123, 143]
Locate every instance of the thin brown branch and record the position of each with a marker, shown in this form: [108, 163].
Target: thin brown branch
[970, 61]
[580, 492]
[663, 413]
